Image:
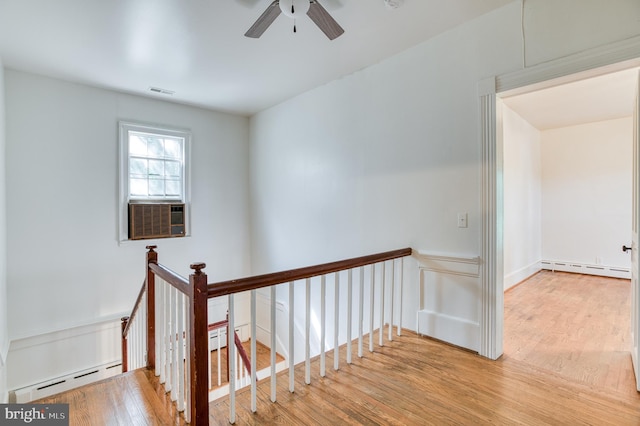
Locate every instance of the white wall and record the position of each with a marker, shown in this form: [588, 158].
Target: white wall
[388, 156]
[383, 159]
[4, 329]
[66, 270]
[580, 24]
[522, 174]
[586, 187]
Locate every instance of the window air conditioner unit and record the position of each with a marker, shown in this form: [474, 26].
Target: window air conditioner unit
[156, 220]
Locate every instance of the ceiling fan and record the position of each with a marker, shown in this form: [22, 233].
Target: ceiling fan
[295, 9]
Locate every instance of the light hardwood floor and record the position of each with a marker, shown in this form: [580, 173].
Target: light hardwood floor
[263, 361]
[415, 381]
[577, 326]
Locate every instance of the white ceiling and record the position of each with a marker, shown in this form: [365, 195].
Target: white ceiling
[595, 99]
[197, 48]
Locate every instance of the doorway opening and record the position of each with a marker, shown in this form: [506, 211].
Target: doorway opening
[567, 169]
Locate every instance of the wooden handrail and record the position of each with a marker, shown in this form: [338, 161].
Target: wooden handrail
[259, 281]
[198, 291]
[195, 289]
[125, 330]
[243, 354]
[170, 277]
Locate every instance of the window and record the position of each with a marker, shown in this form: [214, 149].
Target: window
[153, 167]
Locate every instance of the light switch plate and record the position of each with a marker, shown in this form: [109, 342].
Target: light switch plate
[462, 220]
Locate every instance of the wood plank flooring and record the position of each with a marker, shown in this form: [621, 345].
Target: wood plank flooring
[412, 381]
[577, 326]
[128, 399]
[262, 355]
[417, 381]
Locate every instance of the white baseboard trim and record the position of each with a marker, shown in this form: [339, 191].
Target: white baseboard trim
[65, 383]
[585, 268]
[521, 274]
[43, 359]
[457, 331]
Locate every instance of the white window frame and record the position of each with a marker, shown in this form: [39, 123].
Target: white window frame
[124, 198]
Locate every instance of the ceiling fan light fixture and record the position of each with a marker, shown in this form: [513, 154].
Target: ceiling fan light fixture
[294, 8]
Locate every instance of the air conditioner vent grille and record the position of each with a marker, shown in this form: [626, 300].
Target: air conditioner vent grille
[156, 220]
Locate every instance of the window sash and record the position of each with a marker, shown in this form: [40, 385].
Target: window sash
[156, 166]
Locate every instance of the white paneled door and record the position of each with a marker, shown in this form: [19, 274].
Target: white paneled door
[635, 276]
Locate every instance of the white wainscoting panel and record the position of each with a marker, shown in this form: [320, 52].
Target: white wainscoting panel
[454, 330]
[452, 321]
[73, 357]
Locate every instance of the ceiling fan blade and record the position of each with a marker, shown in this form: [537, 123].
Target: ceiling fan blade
[263, 22]
[324, 21]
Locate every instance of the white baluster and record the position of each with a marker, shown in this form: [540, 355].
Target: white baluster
[253, 351]
[163, 332]
[187, 410]
[232, 360]
[372, 291]
[209, 349]
[174, 341]
[336, 321]
[381, 332]
[307, 347]
[400, 296]
[349, 312]
[159, 329]
[323, 320]
[142, 321]
[273, 345]
[240, 365]
[391, 295]
[361, 312]
[167, 336]
[219, 359]
[141, 335]
[291, 330]
[132, 345]
[180, 345]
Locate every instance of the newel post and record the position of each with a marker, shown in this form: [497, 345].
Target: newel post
[199, 347]
[123, 344]
[152, 257]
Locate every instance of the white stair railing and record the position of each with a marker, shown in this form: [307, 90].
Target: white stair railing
[384, 285]
[172, 330]
[168, 331]
[134, 335]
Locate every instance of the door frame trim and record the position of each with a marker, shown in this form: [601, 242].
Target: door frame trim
[590, 63]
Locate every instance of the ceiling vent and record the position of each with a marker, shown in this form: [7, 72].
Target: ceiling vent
[163, 91]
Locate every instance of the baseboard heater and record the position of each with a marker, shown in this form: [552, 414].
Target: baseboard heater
[583, 268]
[64, 383]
